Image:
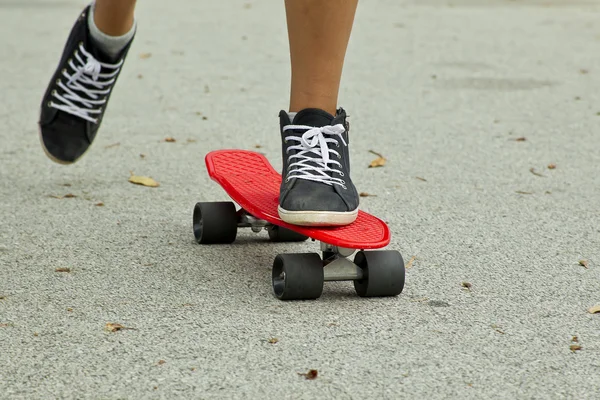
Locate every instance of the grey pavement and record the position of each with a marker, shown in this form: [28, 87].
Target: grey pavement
[442, 88]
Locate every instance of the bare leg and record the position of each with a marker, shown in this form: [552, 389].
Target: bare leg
[319, 31]
[114, 17]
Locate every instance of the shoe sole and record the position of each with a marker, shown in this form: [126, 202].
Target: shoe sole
[50, 156]
[317, 218]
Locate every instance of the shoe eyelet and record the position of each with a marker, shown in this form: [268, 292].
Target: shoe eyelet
[58, 81]
[49, 104]
[343, 183]
[53, 93]
[341, 173]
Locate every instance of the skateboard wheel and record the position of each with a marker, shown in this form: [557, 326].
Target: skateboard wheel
[215, 223]
[298, 276]
[279, 234]
[383, 273]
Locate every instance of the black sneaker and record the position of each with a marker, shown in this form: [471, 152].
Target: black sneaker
[76, 98]
[316, 188]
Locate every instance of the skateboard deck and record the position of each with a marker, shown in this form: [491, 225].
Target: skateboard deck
[251, 182]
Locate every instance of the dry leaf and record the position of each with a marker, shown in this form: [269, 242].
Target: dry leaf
[532, 170]
[520, 139]
[161, 362]
[36, 334]
[257, 146]
[112, 145]
[66, 196]
[2, 297]
[575, 347]
[63, 269]
[191, 140]
[99, 204]
[365, 194]
[273, 340]
[69, 309]
[143, 180]
[142, 155]
[378, 162]
[144, 56]
[204, 118]
[192, 369]
[66, 184]
[170, 139]
[467, 285]
[410, 262]
[594, 309]
[583, 263]
[310, 375]
[497, 329]
[523, 192]
[551, 166]
[421, 179]
[113, 327]
[575, 339]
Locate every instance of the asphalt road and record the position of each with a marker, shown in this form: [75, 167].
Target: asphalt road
[470, 101]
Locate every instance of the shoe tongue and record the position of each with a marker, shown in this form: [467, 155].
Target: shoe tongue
[313, 117]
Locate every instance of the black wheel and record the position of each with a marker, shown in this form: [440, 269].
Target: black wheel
[383, 273]
[298, 276]
[279, 234]
[215, 223]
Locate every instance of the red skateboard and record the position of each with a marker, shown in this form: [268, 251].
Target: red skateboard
[250, 181]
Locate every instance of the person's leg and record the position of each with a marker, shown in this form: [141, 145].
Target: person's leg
[77, 95]
[316, 188]
[114, 17]
[319, 32]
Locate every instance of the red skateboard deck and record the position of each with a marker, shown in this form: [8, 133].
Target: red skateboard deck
[251, 181]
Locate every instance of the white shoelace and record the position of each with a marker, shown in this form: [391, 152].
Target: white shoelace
[85, 91]
[313, 161]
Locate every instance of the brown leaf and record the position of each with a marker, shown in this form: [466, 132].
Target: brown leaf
[114, 327]
[421, 179]
[143, 180]
[66, 184]
[2, 297]
[273, 340]
[170, 139]
[532, 170]
[99, 204]
[378, 162]
[552, 166]
[520, 139]
[63, 269]
[66, 196]
[595, 309]
[142, 155]
[257, 146]
[365, 194]
[310, 375]
[584, 264]
[69, 309]
[144, 56]
[575, 347]
[523, 192]
[467, 285]
[110, 146]
[497, 329]
[410, 262]
[161, 362]
[575, 339]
